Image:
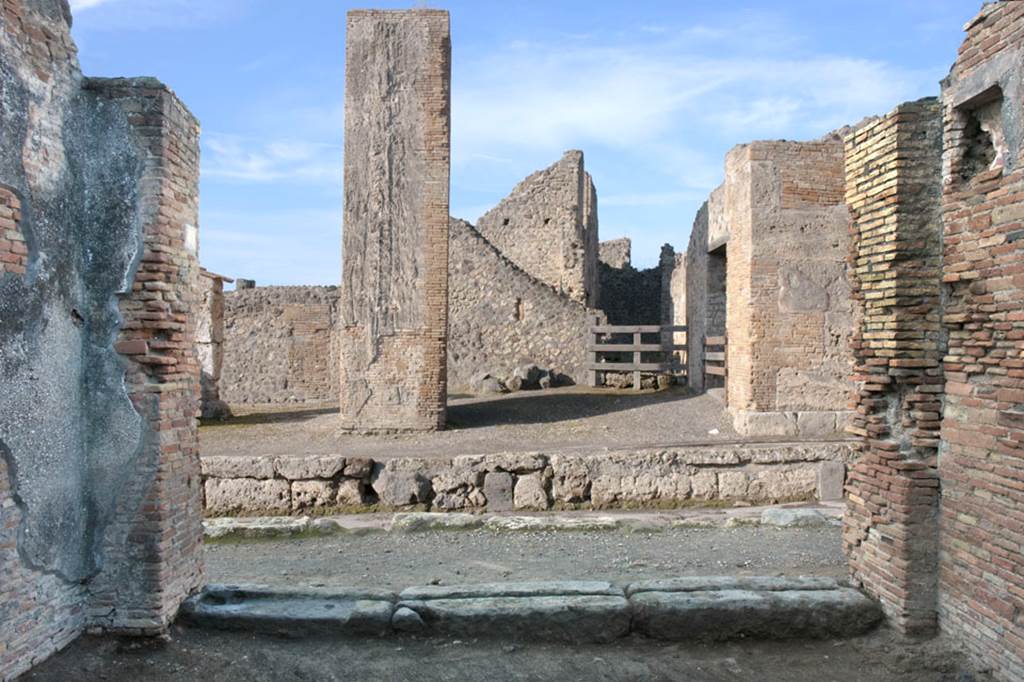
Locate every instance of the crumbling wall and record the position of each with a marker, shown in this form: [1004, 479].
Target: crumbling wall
[789, 311]
[99, 479]
[280, 346]
[394, 298]
[210, 343]
[630, 296]
[502, 317]
[703, 280]
[616, 253]
[893, 185]
[981, 590]
[548, 227]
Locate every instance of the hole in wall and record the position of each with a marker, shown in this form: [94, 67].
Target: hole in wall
[983, 144]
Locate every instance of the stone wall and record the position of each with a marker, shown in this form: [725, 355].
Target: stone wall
[761, 474]
[394, 298]
[615, 253]
[210, 343]
[501, 317]
[981, 590]
[100, 500]
[789, 311]
[705, 284]
[893, 185]
[280, 346]
[548, 227]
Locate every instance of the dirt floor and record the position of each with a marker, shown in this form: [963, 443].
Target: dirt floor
[226, 657]
[569, 419]
[398, 560]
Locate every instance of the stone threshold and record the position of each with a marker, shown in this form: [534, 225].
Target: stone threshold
[279, 527]
[717, 608]
[651, 477]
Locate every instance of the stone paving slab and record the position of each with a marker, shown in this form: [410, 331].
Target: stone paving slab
[527, 589]
[558, 611]
[359, 612]
[562, 618]
[702, 583]
[729, 614]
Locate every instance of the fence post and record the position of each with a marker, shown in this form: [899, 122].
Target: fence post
[592, 354]
[637, 340]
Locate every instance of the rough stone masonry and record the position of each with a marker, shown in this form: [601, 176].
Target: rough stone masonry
[100, 500]
[394, 299]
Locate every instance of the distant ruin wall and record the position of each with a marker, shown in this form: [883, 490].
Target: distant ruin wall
[616, 253]
[394, 298]
[548, 227]
[280, 346]
[501, 317]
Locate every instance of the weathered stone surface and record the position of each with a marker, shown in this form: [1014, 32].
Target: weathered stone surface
[571, 481]
[313, 495]
[246, 495]
[394, 298]
[531, 492]
[831, 481]
[350, 493]
[794, 518]
[700, 583]
[498, 491]
[291, 613]
[412, 522]
[733, 613]
[407, 621]
[400, 484]
[299, 467]
[573, 619]
[524, 589]
[256, 527]
[237, 467]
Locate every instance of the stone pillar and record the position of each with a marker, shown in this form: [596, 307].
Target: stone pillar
[210, 343]
[891, 526]
[394, 302]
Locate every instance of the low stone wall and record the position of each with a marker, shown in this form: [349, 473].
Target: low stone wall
[664, 477]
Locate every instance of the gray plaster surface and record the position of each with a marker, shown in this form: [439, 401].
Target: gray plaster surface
[67, 428]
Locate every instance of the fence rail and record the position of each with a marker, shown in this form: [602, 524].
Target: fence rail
[603, 341]
[716, 361]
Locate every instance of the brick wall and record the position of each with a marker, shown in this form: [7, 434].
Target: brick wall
[981, 592]
[280, 346]
[13, 252]
[702, 280]
[893, 183]
[155, 549]
[548, 227]
[394, 299]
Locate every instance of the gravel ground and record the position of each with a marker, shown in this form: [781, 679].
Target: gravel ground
[398, 560]
[227, 657]
[565, 418]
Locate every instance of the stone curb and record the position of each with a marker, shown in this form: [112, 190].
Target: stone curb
[679, 609]
[414, 522]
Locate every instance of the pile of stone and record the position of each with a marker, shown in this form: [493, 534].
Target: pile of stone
[523, 378]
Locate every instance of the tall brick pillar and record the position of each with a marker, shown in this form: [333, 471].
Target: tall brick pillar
[394, 301]
[891, 526]
[154, 549]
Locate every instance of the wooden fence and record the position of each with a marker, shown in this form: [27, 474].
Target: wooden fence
[716, 350]
[610, 340]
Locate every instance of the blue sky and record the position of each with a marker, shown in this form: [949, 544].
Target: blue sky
[654, 92]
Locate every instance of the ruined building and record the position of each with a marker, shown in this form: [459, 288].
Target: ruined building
[100, 499]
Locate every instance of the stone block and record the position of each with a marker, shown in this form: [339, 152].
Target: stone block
[765, 424]
[531, 492]
[237, 467]
[313, 494]
[300, 467]
[248, 496]
[571, 480]
[733, 484]
[397, 487]
[816, 424]
[831, 481]
[350, 493]
[499, 491]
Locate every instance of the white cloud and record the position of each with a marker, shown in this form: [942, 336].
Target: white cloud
[141, 15]
[78, 5]
[243, 159]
